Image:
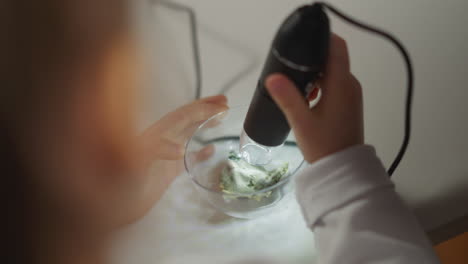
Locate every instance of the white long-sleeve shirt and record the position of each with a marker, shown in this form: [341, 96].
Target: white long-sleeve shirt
[349, 202]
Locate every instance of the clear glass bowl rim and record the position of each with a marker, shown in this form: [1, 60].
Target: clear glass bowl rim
[281, 182]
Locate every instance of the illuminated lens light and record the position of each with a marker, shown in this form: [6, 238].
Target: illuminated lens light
[254, 153]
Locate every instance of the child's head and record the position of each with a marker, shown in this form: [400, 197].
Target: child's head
[67, 103]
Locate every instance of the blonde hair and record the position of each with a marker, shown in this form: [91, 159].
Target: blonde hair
[47, 39]
[42, 44]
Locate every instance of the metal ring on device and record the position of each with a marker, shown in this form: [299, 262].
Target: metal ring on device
[291, 64]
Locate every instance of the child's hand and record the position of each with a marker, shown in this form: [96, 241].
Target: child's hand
[336, 122]
[163, 147]
[165, 140]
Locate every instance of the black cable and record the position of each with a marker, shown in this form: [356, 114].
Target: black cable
[401, 48]
[409, 68]
[194, 37]
[197, 64]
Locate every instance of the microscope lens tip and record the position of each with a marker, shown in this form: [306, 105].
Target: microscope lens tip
[253, 152]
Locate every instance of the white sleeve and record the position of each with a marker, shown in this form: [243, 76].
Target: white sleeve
[349, 202]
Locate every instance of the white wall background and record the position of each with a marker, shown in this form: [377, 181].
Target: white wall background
[433, 177]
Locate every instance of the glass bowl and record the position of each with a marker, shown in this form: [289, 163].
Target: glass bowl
[220, 135]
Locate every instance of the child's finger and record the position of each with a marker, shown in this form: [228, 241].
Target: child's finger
[217, 120]
[338, 57]
[196, 113]
[205, 153]
[288, 98]
[189, 115]
[337, 68]
[163, 149]
[217, 99]
[195, 157]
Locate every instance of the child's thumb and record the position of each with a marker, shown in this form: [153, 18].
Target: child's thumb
[289, 99]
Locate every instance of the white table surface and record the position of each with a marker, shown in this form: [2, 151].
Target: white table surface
[432, 179]
[183, 228]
